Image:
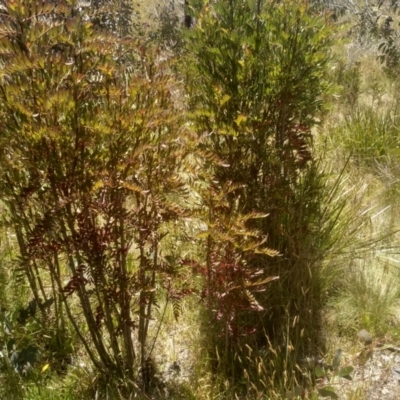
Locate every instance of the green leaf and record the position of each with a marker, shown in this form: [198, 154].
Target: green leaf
[7, 326]
[295, 393]
[241, 118]
[320, 372]
[203, 235]
[337, 359]
[345, 372]
[98, 185]
[224, 99]
[252, 5]
[45, 367]
[328, 391]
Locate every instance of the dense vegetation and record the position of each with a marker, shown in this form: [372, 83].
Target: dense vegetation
[195, 213]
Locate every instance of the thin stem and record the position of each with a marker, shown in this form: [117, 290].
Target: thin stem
[161, 321]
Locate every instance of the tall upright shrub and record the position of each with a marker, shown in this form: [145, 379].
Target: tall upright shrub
[255, 78]
[92, 154]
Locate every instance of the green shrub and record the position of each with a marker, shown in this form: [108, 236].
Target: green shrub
[256, 72]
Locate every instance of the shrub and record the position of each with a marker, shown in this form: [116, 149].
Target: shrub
[92, 154]
[255, 77]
